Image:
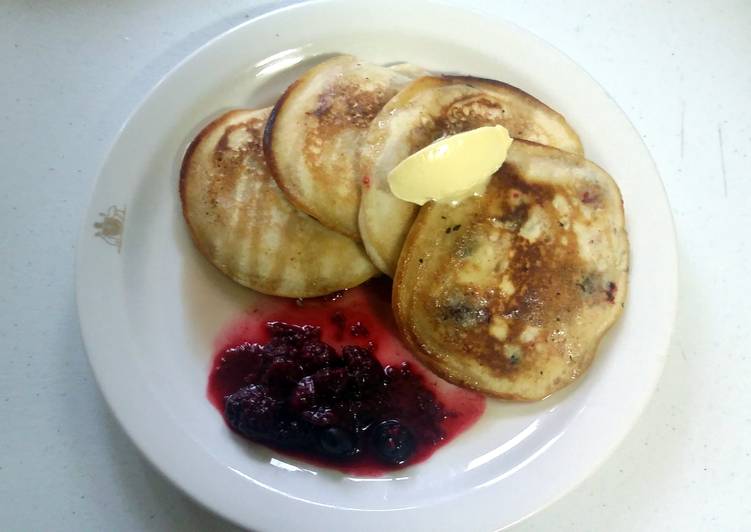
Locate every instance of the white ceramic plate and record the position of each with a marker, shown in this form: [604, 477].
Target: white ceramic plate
[150, 306]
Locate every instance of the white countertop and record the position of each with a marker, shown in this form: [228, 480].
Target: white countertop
[70, 74]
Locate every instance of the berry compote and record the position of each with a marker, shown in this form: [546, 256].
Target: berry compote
[327, 380]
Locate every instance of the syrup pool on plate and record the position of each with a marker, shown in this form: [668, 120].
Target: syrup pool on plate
[327, 380]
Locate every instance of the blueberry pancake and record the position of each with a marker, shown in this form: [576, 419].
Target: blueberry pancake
[510, 292]
[430, 108]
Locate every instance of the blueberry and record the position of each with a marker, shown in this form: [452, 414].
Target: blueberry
[393, 442]
[336, 442]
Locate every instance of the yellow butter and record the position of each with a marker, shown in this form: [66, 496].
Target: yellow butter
[452, 168]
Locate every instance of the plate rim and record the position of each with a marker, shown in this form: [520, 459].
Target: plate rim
[84, 241]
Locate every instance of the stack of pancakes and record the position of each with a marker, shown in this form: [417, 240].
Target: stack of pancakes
[508, 292]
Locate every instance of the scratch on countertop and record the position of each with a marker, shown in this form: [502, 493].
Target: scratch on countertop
[683, 120]
[722, 161]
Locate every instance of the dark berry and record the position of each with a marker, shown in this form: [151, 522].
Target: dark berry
[331, 382]
[353, 354]
[291, 433]
[295, 333]
[247, 359]
[316, 355]
[279, 348]
[247, 349]
[297, 393]
[346, 411]
[362, 367]
[393, 442]
[320, 416]
[282, 375]
[287, 340]
[251, 410]
[364, 412]
[304, 394]
[337, 442]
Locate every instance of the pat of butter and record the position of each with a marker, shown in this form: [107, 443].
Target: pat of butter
[452, 168]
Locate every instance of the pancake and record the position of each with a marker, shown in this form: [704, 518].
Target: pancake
[314, 132]
[244, 225]
[509, 293]
[428, 109]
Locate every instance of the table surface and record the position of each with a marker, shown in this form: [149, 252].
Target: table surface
[70, 74]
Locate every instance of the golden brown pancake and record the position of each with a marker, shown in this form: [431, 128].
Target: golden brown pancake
[427, 109]
[509, 293]
[244, 225]
[315, 130]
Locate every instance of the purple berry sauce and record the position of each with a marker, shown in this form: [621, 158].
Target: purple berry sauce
[327, 380]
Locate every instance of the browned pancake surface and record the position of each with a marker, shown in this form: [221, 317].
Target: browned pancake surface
[245, 226]
[314, 132]
[509, 293]
[427, 109]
